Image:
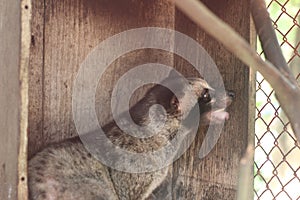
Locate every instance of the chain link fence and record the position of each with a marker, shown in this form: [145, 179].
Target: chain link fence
[277, 154]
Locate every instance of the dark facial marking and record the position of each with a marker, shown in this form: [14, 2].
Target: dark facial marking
[205, 97]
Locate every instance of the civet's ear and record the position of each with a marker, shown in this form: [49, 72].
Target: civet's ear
[200, 83]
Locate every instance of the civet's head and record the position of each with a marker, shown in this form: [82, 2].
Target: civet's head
[213, 104]
[180, 102]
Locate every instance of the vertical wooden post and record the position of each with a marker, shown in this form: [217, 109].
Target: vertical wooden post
[14, 54]
[10, 97]
[24, 99]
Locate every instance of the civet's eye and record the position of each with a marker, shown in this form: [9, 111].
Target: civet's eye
[205, 96]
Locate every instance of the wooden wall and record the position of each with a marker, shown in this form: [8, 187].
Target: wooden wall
[215, 176]
[64, 32]
[10, 32]
[14, 57]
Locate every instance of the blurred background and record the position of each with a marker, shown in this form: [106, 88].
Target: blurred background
[277, 154]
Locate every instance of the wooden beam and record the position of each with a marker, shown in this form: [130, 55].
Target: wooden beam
[10, 34]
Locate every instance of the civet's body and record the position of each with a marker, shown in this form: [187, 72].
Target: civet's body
[67, 170]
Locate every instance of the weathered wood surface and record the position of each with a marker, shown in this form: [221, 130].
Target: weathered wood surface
[215, 176]
[65, 32]
[10, 24]
[24, 99]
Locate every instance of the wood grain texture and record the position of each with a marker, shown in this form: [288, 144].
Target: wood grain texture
[36, 77]
[64, 33]
[215, 176]
[10, 24]
[23, 106]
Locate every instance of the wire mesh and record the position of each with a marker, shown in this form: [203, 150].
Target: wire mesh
[277, 153]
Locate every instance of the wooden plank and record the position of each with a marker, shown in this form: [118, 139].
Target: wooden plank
[215, 176]
[23, 77]
[64, 33]
[10, 24]
[36, 63]
[251, 107]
